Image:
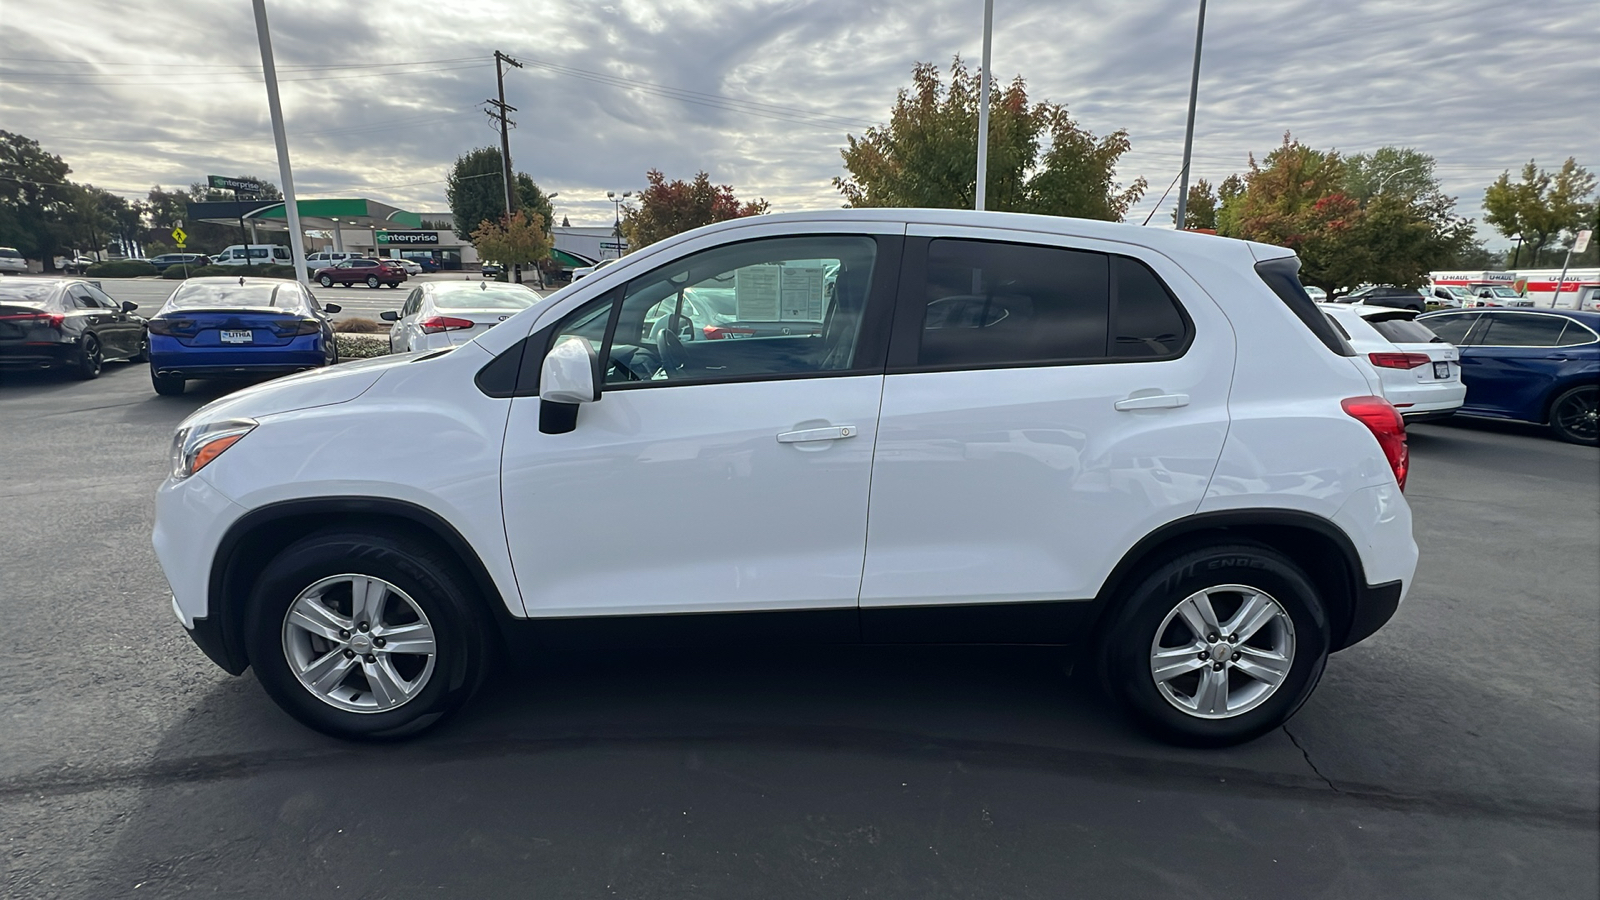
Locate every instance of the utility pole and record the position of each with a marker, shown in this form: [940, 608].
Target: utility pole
[981, 196]
[291, 206]
[1188, 134]
[501, 111]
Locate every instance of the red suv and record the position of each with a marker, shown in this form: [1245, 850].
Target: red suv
[352, 271]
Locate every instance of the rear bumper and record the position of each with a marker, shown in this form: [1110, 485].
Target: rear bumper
[37, 356]
[1375, 606]
[169, 357]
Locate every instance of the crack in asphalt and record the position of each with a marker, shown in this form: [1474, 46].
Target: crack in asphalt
[1310, 762]
[1145, 772]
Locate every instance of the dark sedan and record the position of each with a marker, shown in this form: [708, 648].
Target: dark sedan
[167, 260]
[370, 272]
[66, 323]
[1539, 366]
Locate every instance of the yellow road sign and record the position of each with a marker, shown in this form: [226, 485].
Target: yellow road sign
[179, 235]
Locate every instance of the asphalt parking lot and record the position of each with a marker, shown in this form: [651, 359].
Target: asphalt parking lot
[1454, 754]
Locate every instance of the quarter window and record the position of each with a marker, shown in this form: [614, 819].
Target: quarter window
[1575, 333]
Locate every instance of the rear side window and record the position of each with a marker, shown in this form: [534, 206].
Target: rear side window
[1403, 331]
[1282, 276]
[1146, 319]
[1523, 331]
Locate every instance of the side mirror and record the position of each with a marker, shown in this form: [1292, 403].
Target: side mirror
[387, 315]
[129, 306]
[568, 373]
[331, 308]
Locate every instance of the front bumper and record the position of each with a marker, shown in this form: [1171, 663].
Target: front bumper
[191, 517]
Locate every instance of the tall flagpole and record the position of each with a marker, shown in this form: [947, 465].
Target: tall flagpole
[291, 208]
[983, 106]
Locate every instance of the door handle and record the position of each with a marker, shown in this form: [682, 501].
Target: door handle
[831, 433]
[1153, 401]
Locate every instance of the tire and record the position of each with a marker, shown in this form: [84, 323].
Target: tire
[372, 282]
[166, 385]
[1289, 648]
[325, 281]
[1575, 417]
[91, 358]
[417, 584]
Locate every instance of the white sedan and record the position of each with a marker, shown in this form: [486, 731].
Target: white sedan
[1421, 373]
[411, 267]
[585, 271]
[441, 314]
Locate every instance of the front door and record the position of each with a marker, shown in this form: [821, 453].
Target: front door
[1045, 408]
[714, 474]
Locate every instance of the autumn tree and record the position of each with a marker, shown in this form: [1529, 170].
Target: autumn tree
[1201, 210]
[476, 191]
[1040, 159]
[34, 194]
[1541, 206]
[667, 208]
[517, 239]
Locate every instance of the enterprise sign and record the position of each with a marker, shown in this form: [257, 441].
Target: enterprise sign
[409, 238]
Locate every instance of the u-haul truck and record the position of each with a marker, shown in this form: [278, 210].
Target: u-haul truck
[1481, 288]
[1580, 289]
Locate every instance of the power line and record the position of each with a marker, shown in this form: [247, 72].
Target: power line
[165, 67]
[12, 77]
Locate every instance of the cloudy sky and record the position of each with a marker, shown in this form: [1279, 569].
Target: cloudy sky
[381, 98]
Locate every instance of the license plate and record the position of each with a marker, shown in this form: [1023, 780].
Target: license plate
[1441, 370]
[245, 336]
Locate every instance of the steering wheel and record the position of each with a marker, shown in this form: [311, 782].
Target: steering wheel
[670, 348]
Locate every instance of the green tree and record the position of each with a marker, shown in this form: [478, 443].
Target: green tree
[34, 197]
[164, 209]
[667, 208]
[475, 189]
[1201, 210]
[513, 240]
[1541, 206]
[1040, 159]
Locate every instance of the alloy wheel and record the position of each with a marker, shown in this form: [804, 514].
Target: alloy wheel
[1222, 651]
[1578, 414]
[359, 643]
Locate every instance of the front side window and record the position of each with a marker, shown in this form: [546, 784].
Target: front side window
[1522, 330]
[780, 307]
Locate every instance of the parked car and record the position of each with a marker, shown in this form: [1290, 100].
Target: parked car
[371, 272]
[258, 255]
[1499, 295]
[238, 327]
[492, 270]
[1385, 295]
[1421, 374]
[1316, 294]
[1534, 366]
[167, 260]
[358, 535]
[1449, 296]
[323, 259]
[428, 263]
[11, 262]
[411, 267]
[74, 265]
[50, 323]
[445, 313]
[586, 271]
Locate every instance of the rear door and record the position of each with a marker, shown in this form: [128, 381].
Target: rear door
[122, 331]
[1048, 402]
[1511, 362]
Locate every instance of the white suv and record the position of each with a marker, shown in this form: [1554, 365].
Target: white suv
[932, 425]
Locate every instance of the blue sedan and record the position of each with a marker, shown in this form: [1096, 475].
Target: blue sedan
[1539, 366]
[238, 327]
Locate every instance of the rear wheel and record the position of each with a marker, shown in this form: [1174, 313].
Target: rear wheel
[1575, 415]
[166, 385]
[1218, 645]
[366, 635]
[90, 358]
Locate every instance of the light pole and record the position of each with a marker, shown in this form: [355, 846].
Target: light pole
[1188, 133]
[616, 224]
[983, 109]
[291, 207]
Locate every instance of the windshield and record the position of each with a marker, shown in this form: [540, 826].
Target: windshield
[1459, 292]
[1404, 331]
[25, 293]
[484, 298]
[1499, 291]
[284, 295]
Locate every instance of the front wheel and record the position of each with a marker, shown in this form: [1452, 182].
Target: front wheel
[90, 358]
[1218, 645]
[1575, 415]
[325, 281]
[372, 282]
[366, 635]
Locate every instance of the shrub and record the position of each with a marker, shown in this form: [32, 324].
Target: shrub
[120, 268]
[273, 271]
[362, 346]
[361, 326]
[176, 272]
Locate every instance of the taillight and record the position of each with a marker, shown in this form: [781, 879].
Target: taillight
[1385, 423]
[49, 320]
[168, 327]
[1399, 360]
[717, 333]
[436, 324]
[297, 327]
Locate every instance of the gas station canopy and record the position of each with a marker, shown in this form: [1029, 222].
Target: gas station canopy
[318, 215]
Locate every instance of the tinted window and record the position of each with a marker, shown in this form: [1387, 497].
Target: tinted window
[1148, 321]
[1403, 331]
[103, 299]
[990, 303]
[1451, 329]
[1523, 331]
[1575, 333]
[9, 253]
[81, 299]
[1282, 276]
[230, 294]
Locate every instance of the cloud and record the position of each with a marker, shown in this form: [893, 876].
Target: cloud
[761, 94]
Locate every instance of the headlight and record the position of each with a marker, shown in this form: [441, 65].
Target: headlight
[195, 446]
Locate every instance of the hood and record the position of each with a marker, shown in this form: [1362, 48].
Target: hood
[304, 390]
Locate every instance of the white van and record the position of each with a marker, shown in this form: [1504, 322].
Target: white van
[260, 255]
[324, 258]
